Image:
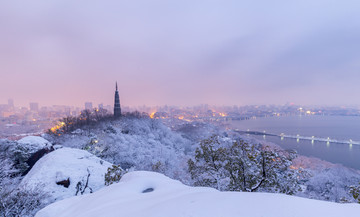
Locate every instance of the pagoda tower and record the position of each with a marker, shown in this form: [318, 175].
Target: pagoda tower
[117, 109]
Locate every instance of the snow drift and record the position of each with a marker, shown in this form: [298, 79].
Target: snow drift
[152, 194]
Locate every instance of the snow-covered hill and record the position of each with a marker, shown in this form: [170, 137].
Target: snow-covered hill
[150, 194]
[147, 144]
[140, 143]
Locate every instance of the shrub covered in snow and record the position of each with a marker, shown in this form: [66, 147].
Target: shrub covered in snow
[114, 174]
[7, 162]
[15, 200]
[355, 192]
[24, 202]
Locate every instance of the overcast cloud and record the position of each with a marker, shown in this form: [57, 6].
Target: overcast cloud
[180, 52]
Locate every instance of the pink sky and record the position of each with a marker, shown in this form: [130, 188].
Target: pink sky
[180, 53]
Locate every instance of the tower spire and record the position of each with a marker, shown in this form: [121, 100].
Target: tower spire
[117, 109]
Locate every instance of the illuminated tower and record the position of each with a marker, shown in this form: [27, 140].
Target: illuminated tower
[117, 109]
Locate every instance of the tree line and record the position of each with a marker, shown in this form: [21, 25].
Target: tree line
[89, 118]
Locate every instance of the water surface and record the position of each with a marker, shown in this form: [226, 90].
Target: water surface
[341, 128]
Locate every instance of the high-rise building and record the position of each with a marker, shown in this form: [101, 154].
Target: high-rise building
[34, 106]
[117, 109]
[88, 105]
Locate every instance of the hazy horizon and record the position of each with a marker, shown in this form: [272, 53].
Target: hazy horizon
[96, 104]
[182, 53]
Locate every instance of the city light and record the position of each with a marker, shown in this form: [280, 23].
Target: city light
[152, 114]
[57, 127]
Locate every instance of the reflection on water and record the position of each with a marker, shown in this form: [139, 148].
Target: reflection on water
[327, 138]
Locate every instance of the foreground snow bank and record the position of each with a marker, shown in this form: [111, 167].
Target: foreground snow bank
[154, 195]
[59, 172]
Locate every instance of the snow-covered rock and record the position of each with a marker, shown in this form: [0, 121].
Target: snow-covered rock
[26, 151]
[61, 171]
[34, 142]
[150, 194]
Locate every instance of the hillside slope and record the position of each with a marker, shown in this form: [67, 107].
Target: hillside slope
[139, 143]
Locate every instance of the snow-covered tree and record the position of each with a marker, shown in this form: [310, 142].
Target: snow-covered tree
[135, 142]
[14, 200]
[20, 201]
[242, 167]
[209, 168]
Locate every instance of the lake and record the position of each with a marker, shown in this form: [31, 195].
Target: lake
[335, 129]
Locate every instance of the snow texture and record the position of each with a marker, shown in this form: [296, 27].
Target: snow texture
[34, 143]
[150, 194]
[327, 181]
[63, 164]
[142, 144]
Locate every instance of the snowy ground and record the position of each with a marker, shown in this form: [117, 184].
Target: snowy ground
[154, 195]
[146, 144]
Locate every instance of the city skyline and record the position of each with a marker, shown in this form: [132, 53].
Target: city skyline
[180, 53]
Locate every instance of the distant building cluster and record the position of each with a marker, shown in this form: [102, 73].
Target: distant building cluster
[34, 119]
[207, 113]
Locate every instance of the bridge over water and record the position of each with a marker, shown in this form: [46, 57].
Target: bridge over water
[298, 137]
